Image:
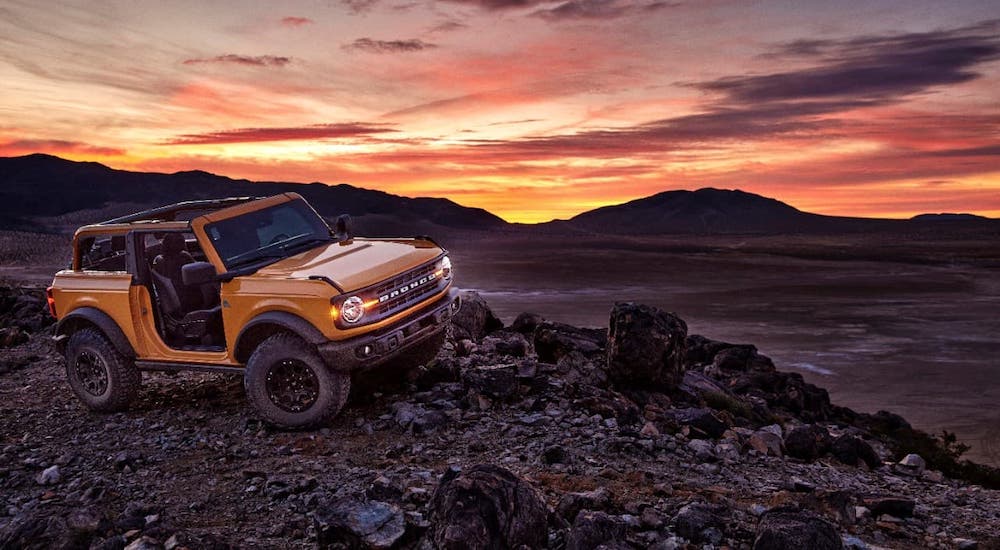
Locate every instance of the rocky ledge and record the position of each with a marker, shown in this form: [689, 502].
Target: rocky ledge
[536, 435]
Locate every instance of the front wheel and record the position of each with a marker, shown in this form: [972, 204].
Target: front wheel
[290, 386]
[101, 377]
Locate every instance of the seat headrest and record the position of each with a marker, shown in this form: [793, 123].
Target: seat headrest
[173, 244]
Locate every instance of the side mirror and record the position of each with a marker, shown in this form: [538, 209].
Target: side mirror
[198, 273]
[343, 230]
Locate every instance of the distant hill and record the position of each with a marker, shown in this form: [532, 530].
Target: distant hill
[948, 217]
[50, 193]
[713, 211]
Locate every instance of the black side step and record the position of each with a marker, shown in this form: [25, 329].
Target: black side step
[179, 366]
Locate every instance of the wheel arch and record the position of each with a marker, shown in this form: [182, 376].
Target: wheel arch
[91, 317]
[268, 323]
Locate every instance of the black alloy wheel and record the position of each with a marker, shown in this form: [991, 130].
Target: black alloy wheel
[292, 386]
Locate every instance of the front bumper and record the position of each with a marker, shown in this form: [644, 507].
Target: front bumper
[371, 350]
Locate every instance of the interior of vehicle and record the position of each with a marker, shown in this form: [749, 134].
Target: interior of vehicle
[189, 315]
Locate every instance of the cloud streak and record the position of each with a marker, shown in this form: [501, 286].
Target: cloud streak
[294, 133]
[292, 21]
[246, 60]
[370, 45]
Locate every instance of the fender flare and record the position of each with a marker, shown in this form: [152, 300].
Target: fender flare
[102, 321]
[249, 337]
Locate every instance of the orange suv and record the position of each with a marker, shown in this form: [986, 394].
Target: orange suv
[258, 286]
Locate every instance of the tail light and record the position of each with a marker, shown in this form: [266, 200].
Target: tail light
[51, 301]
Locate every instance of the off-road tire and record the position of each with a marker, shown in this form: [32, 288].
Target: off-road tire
[330, 394]
[120, 382]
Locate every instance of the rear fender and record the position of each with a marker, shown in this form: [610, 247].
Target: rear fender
[92, 317]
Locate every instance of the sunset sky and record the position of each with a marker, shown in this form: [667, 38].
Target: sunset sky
[531, 109]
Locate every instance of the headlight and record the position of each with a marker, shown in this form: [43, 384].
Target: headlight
[445, 267]
[352, 310]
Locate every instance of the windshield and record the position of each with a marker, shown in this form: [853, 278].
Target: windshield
[268, 234]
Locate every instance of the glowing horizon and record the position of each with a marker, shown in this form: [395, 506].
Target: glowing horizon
[533, 110]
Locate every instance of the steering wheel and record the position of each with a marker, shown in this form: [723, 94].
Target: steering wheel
[278, 238]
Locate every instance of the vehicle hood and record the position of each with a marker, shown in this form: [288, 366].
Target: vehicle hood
[356, 264]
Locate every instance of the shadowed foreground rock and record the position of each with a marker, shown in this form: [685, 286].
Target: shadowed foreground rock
[486, 507]
[475, 319]
[646, 347]
[792, 530]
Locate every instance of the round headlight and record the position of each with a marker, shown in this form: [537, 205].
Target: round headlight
[352, 310]
[446, 267]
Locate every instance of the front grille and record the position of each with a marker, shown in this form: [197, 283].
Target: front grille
[398, 299]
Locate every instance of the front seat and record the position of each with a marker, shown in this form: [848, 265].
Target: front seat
[188, 317]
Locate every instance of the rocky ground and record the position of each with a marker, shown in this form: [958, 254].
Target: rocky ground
[534, 435]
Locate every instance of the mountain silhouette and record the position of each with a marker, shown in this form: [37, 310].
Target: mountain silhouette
[46, 193]
[36, 189]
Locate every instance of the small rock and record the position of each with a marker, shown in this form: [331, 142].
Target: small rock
[900, 507]
[49, 476]
[911, 465]
[594, 529]
[788, 529]
[372, 524]
[144, 543]
[703, 450]
[693, 519]
[765, 443]
[649, 430]
[570, 504]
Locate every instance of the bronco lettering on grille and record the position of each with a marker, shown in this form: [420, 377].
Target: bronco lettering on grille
[406, 288]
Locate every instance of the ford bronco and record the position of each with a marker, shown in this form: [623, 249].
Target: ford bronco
[256, 286]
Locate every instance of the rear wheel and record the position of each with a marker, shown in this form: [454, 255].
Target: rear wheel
[290, 386]
[101, 377]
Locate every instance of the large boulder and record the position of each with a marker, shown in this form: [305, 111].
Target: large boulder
[553, 341]
[851, 449]
[486, 507]
[365, 525]
[788, 529]
[703, 422]
[807, 442]
[646, 347]
[475, 319]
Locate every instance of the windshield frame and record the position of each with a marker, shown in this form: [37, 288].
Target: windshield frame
[251, 260]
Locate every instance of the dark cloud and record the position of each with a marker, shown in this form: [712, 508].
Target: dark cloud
[294, 133]
[370, 45]
[985, 151]
[359, 6]
[890, 67]
[597, 9]
[23, 146]
[292, 21]
[501, 4]
[448, 26]
[249, 60]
